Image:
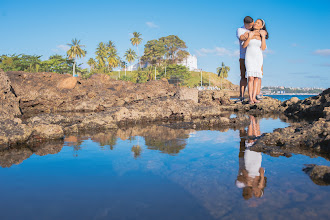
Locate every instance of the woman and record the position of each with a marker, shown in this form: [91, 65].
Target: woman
[255, 44]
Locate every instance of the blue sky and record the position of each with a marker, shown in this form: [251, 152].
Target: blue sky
[298, 48]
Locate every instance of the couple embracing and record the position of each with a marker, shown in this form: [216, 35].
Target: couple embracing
[252, 38]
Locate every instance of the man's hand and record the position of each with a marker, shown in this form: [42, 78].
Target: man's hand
[263, 33]
[251, 34]
[244, 36]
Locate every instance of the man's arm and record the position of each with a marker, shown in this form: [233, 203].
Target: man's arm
[244, 36]
[240, 32]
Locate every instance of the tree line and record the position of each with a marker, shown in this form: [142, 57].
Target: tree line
[162, 55]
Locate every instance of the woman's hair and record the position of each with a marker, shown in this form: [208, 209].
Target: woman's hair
[264, 27]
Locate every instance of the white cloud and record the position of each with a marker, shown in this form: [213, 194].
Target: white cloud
[217, 51]
[324, 52]
[61, 48]
[151, 24]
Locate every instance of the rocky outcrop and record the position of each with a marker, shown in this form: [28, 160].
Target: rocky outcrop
[216, 97]
[267, 105]
[187, 94]
[52, 92]
[311, 139]
[14, 132]
[320, 175]
[9, 103]
[67, 83]
[316, 106]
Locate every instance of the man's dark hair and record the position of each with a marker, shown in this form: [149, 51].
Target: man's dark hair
[248, 20]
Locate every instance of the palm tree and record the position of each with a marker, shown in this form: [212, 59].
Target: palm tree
[101, 54]
[112, 56]
[130, 55]
[75, 52]
[92, 63]
[223, 72]
[136, 40]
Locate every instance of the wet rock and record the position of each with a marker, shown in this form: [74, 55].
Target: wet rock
[14, 132]
[311, 139]
[9, 103]
[320, 175]
[48, 131]
[68, 83]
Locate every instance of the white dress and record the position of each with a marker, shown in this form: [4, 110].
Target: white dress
[252, 161]
[254, 59]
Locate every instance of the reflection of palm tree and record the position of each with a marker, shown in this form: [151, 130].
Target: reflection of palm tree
[136, 149]
[76, 148]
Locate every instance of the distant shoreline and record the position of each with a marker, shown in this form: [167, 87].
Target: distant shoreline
[294, 94]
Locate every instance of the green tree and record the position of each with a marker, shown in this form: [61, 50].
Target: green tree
[75, 52]
[223, 72]
[136, 40]
[154, 52]
[173, 45]
[112, 56]
[101, 55]
[130, 55]
[92, 63]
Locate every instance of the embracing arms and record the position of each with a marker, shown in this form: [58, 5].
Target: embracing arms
[250, 36]
[247, 41]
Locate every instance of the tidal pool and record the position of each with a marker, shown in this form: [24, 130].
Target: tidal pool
[157, 172]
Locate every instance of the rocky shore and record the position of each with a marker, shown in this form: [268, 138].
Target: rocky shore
[38, 107]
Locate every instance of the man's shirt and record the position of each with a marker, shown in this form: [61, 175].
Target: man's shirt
[240, 31]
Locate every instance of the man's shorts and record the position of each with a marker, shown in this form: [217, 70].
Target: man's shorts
[242, 67]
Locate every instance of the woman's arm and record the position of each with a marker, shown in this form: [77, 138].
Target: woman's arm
[246, 43]
[263, 40]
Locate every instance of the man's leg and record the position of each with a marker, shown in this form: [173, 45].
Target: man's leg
[243, 81]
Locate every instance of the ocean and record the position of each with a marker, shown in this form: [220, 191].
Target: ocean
[287, 97]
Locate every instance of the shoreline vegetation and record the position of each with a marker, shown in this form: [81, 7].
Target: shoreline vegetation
[161, 58]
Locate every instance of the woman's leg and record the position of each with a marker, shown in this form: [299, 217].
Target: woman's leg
[250, 85]
[255, 88]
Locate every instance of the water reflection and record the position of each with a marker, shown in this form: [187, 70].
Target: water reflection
[160, 172]
[250, 176]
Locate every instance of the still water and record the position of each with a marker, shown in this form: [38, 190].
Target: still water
[157, 172]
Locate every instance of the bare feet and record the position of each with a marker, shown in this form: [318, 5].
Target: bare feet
[256, 101]
[251, 102]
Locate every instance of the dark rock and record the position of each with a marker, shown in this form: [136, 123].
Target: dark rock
[320, 175]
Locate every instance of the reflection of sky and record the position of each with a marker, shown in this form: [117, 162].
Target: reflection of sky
[196, 183]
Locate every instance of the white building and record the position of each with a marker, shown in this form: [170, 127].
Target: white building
[190, 62]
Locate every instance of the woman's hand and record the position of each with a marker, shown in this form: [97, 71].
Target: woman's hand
[263, 33]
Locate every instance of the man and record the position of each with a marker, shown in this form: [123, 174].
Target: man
[242, 34]
[248, 25]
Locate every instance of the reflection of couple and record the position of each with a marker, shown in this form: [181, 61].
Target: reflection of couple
[250, 174]
[252, 38]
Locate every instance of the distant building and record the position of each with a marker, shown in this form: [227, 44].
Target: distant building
[190, 62]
